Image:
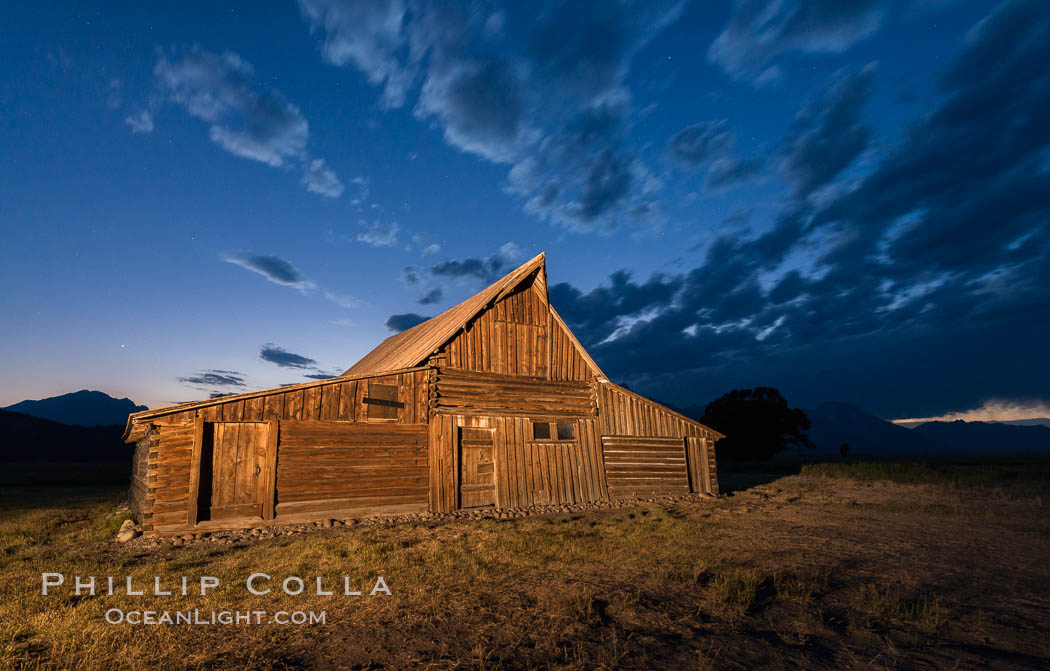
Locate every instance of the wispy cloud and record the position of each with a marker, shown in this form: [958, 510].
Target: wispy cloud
[215, 378]
[379, 234]
[244, 117]
[273, 268]
[140, 122]
[342, 300]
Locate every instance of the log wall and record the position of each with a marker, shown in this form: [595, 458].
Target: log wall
[645, 465]
[169, 477]
[335, 468]
[624, 413]
[464, 392]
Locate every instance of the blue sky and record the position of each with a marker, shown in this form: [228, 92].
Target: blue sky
[848, 201]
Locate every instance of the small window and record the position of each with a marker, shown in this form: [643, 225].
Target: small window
[382, 401]
[566, 431]
[541, 431]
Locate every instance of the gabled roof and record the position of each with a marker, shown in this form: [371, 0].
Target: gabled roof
[415, 345]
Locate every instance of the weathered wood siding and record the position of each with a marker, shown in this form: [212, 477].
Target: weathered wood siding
[509, 338]
[623, 413]
[645, 465]
[140, 472]
[566, 361]
[169, 476]
[333, 468]
[332, 401]
[538, 472]
[488, 394]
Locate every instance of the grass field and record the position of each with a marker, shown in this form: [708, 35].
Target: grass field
[859, 565]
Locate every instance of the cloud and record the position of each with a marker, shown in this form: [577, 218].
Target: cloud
[276, 355]
[321, 376]
[403, 322]
[379, 234]
[701, 142]
[318, 178]
[433, 296]
[430, 250]
[827, 134]
[215, 378]
[273, 268]
[480, 107]
[243, 117]
[489, 268]
[730, 171]
[992, 410]
[368, 35]
[140, 122]
[761, 31]
[342, 300]
[713, 143]
[608, 181]
[489, 91]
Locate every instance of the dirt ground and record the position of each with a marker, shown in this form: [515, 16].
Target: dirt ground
[784, 572]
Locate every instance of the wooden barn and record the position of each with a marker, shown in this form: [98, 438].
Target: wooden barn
[491, 403]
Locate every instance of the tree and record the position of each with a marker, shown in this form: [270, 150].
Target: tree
[757, 423]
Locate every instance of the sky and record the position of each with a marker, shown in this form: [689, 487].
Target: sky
[848, 201]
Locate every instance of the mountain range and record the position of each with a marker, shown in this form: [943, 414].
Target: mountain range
[80, 408]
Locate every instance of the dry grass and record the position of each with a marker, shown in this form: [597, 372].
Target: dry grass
[801, 571]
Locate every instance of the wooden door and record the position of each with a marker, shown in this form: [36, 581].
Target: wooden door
[477, 468]
[238, 467]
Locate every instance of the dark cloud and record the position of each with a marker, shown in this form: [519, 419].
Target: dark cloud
[480, 106]
[827, 134]
[273, 268]
[702, 142]
[608, 181]
[321, 376]
[966, 192]
[491, 92]
[220, 394]
[713, 143]
[215, 378]
[410, 276]
[274, 354]
[433, 296]
[489, 268]
[730, 171]
[760, 31]
[245, 118]
[403, 322]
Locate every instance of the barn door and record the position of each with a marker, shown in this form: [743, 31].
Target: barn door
[477, 468]
[233, 477]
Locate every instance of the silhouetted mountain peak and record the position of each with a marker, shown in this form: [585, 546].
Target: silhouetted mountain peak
[82, 408]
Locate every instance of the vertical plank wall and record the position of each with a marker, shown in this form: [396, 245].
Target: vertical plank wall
[517, 336]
